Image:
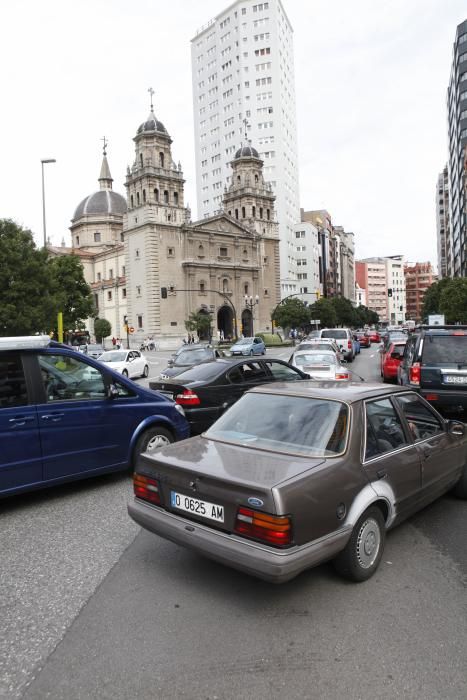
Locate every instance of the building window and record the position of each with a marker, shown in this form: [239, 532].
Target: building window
[266, 292]
[170, 252]
[109, 296]
[223, 252]
[236, 213]
[245, 288]
[123, 270]
[97, 237]
[253, 212]
[161, 159]
[138, 291]
[122, 237]
[144, 195]
[77, 240]
[156, 194]
[166, 196]
[124, 293]
[176, 199]
[243, 212]
[99, 276]
[140, 321]
[111, 273]
[132, 201]
[268, 214]
[200, 251]
[137, 198]
[261, 212]
[137, 253]
[225, 285]
[202, 287]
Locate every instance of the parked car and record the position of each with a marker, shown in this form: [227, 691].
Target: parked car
[297, 474]
[363, 338]
[435, 364]
[390, 337]
[65, 416]
[343, 338]
[319, 364]
[375, 336]
[130, 363]
[207, 390]
[391, 359]
[93, 350]
[248, 346]
[189, 356]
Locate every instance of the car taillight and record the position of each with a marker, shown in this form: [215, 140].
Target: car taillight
[414, 373]
[146, 488]
[431, 397]
[187, 398]
[342, 375]
[273, 529]
[349, 344]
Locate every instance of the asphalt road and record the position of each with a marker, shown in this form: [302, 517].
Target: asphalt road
[92, 607]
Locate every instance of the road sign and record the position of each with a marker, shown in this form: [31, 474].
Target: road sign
[131, 329]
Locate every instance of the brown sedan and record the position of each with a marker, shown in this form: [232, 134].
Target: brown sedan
[297, 474]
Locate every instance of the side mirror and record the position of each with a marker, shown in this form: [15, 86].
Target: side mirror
[455, 427]
[396, 356]
[170, 363]
[112, 391]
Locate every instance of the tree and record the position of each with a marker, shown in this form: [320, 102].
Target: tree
[102, 329]
[432, 298]
[345, 312]
[291, 313]
[25, 298]
[453, 300]
[199, 322]
[366, 316]
[324, 310]
[70, 291]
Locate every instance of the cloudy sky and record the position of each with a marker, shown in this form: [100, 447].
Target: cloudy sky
[371, 79]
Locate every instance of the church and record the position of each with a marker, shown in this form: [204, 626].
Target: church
[146, 260]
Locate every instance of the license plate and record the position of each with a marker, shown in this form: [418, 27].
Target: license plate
[197, 507]
[169, 394]
[455, 379]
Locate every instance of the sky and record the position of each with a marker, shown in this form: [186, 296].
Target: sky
[370, 77]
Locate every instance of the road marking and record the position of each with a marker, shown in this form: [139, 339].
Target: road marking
[371, 355]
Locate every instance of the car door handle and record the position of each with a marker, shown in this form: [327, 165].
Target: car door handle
[21, 420]
[52, 416]
[382, 474]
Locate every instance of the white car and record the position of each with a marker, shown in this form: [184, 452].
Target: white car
[131, 363]
[316, 344]
[319, 364]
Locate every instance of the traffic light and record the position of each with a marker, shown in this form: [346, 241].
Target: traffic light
[163, 292]
[317, 294]
[389, 292]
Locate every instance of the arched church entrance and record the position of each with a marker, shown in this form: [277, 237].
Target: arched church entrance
[247, 323]
[225, 322]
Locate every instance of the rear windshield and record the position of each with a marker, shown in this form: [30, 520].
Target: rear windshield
[192, 357]
[334, 333]
[445, 349]
[315, 358]
[315, 427]
[314, 346]
[207, 371]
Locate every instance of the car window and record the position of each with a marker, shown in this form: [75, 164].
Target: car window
[282, 372]
[422, 422]
[68, 379]
[194, 356]
[12, 381]
[442, 349]
[315, 358]
[384, 429]
[247, 372]
[309, 426]
[334, 333]
[113, 356]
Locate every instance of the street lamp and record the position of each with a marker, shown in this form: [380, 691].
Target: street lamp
[44, 160]
[250, 303]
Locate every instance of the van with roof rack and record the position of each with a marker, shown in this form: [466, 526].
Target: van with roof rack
[435, 365]
[64, 416]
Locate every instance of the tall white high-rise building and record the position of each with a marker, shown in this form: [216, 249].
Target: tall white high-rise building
[244, 89]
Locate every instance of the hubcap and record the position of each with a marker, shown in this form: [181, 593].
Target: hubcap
[368, 543]
[157, 441]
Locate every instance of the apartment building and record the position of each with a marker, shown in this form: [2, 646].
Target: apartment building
[418, 278]
[371, 276]
[244, 90]
[442, 224]
[308, 254]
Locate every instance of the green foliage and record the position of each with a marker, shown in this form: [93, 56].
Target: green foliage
[291, 313]
[199, 322]
[324, 310]
[102, 329]
[270, 338]
[35, 287]
[25, 299]
[432, 298]
[345, 312]
[366, 317]
[453, 300]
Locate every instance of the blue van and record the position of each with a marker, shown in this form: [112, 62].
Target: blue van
[64, 416]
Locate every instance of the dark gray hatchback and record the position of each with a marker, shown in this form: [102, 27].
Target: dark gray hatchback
[296, 474]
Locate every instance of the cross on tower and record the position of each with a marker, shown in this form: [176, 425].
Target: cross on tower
[151, 92]
[246, 125]
[106, 143]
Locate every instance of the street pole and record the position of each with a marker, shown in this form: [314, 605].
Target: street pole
[250, 304]
[44, 160]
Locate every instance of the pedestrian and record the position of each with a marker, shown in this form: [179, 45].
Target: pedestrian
[114, 341]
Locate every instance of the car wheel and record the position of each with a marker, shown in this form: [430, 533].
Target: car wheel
[125, 373]
[145, 371]
[152, 439]
[460, 489]
[362, 554]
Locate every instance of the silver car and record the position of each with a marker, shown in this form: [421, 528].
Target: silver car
[319, 364]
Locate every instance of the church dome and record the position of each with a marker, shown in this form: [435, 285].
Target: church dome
[152, 124]
[101, 203]
[246, 152]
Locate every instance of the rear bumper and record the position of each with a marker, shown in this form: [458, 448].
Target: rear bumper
[447, 400]
[273, 565]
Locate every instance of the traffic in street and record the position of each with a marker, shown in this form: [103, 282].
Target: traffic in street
[94, 606]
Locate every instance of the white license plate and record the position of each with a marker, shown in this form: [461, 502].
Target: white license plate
[455, 379]
[197, 507]
[168, 394]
